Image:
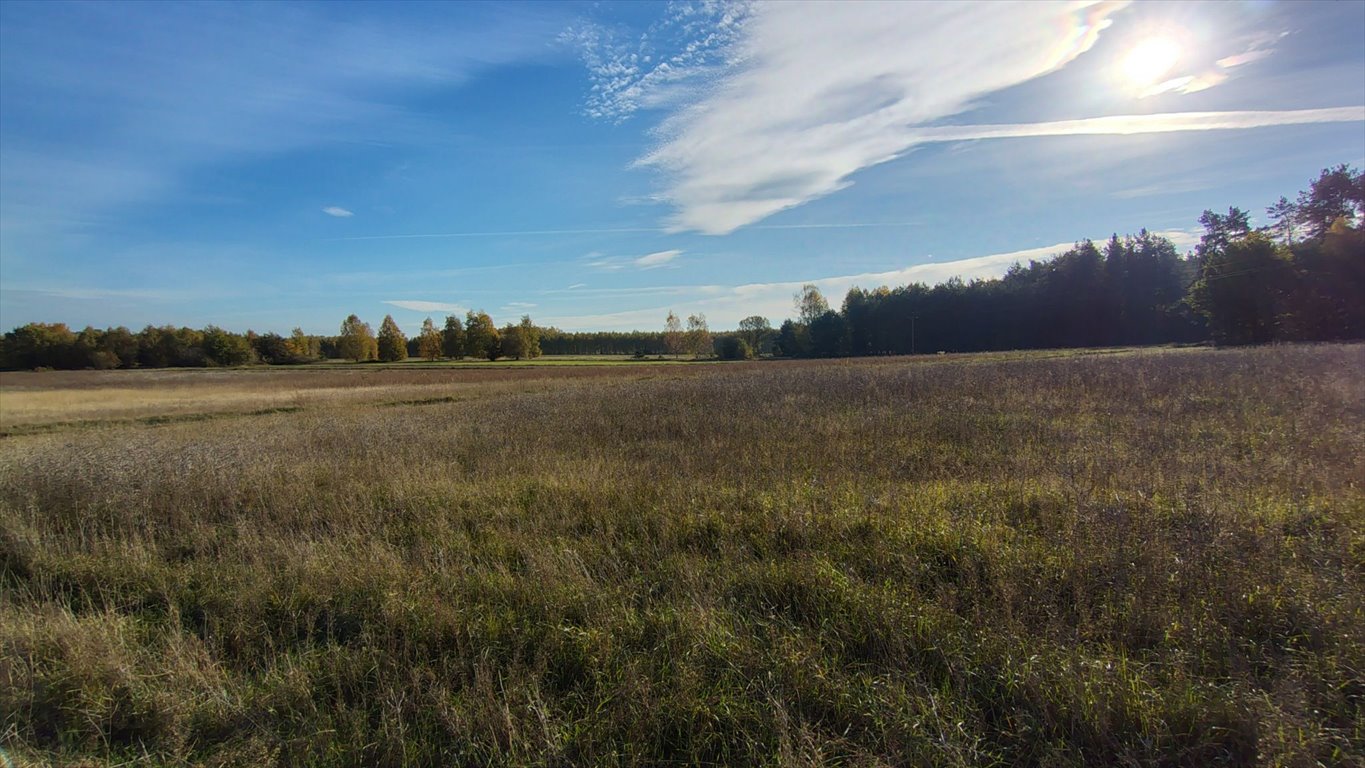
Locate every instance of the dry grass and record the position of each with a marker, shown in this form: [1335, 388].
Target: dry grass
[41, 401]
[1152, 558]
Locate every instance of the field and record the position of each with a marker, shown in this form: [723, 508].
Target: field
[1133, 558]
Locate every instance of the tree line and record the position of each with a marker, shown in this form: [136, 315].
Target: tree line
[1300, 278]
[477, 336]
[54, 345]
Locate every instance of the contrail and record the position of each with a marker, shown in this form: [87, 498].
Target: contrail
[1126, 125]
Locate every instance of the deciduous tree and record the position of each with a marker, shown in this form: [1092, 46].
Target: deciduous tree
[481, 336]
[393, 345]
[698, 336]
[357, 341]
[429, 341]
[810, 304]
[304, 347]
[223, 348]
[530, 337]
[734, 348]
[755, 330]
[673, 335]
[1242, 290]
[512, 342]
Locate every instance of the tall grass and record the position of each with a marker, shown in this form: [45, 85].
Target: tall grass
[1146, 559]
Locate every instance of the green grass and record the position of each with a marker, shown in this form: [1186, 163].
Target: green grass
[1148, 558]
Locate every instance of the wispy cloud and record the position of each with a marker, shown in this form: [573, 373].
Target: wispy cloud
[1205, 63]
[654, 260]
[518, 305]
[507, 233]
[804, 106]
[620, 230]
[337, 211]
[657, 259]
[426, 306]
[674, 59]
[1182, 239]
[725, 305]
[809, 104]
[96, 294]
[1246, 57]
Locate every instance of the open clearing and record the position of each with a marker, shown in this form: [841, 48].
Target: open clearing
[1127, 558]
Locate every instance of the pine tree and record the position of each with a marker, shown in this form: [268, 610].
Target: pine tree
[452, 338]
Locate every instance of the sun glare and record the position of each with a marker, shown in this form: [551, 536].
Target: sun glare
[1150, 60]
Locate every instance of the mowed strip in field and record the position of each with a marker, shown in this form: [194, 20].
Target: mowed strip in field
[1148, 557]
[38, 401]
[56, 400]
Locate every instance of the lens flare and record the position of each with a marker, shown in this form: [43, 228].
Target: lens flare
[1150, 60]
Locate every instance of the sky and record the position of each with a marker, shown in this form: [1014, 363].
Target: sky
[597, 165]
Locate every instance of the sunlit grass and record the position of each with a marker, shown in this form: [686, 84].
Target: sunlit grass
[63, 398]
[1117, 559]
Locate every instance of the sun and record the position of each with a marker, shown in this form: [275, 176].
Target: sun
[1150, 60]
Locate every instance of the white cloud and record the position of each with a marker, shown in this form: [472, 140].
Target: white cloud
[617, 230]
[815, 94]
[1184, 240]
[336, 211]
[426, 306]
[1204, 59]
[597, 260]
[576, 286]
[507, 233]
[674, 60]
[1237, 60]
[658, 259]
[726, 305]
[820, 92]
[655, 260]
[518, 305]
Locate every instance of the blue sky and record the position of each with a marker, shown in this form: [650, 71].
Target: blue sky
[596, 165]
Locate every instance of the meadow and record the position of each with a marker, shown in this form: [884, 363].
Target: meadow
[1140, 557]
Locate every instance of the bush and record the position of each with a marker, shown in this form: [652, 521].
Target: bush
[734, 348]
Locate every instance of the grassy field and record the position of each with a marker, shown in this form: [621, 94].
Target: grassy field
[547, 361]
[1132, 558]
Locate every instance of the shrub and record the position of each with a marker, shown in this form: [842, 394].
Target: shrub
[734, 348]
